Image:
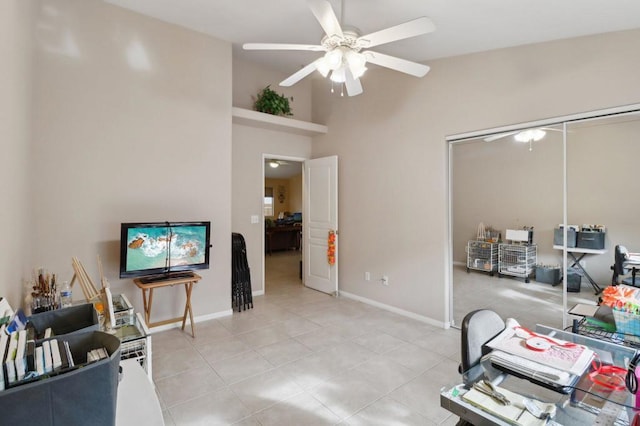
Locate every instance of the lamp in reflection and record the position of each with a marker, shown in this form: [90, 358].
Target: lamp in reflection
[530, 135]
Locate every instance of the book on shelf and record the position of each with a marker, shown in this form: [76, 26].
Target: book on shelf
[4, 341]
[9, 363]
[97, 354]
[39, 360]
[64, 360]
[31, 355]
[67, 350]
[48, 361]
[21, 357]
[55, 354]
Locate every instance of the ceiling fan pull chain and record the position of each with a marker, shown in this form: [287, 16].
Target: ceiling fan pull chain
[342, 89]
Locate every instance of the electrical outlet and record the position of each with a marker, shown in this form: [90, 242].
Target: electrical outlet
[367, 276]
[385, 280]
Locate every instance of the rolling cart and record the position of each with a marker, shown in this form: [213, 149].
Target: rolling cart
[482, 256]
[517, 260]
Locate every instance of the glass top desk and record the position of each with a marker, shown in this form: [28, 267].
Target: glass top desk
[574, 408]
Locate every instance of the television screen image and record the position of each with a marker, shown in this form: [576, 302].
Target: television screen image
[163, 247]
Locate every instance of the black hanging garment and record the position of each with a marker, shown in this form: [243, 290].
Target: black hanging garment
[240, 277]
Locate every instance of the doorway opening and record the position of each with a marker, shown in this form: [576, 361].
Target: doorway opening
[282, 213]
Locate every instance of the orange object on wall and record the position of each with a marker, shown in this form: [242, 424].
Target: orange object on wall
[331, 248]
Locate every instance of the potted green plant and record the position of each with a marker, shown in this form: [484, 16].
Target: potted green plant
[271, 102]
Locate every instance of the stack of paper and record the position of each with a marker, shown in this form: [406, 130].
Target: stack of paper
[559, 364]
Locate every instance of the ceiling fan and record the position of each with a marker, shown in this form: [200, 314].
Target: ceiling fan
[276, 163]
[344, 56]
[531, 135]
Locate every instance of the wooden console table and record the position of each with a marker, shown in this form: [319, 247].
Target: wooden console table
[147, 298]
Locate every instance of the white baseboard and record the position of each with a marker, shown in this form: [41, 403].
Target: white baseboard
[395, 310]
[257, 293]
[458, 263]
[196, 320]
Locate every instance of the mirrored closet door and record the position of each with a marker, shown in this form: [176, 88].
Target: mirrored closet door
[509, 180]
[521, 178]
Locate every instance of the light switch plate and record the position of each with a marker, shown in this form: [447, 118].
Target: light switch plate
[255, 218]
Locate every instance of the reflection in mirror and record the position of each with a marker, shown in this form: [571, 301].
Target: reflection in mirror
[508, 180]
[602, 175]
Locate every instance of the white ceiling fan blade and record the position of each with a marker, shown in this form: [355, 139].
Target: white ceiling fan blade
[515, 132]
[402, 65]
[282, 46]
[354, 87]
[500, 136]
[323, 12]
[409, 29]
[299, 75]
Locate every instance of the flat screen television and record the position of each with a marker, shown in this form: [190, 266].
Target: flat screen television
[161, 250]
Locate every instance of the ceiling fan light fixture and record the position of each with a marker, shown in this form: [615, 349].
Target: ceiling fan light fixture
[322, 66]
[530, 135]
[339, 75]
[333, 59]
[357, 63]
[273, 164]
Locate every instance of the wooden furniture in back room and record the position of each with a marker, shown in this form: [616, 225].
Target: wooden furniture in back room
[286, 237]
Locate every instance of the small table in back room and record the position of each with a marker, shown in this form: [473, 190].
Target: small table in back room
[188, 283]
[576, 262]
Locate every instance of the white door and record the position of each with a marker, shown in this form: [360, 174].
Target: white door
[320, 219]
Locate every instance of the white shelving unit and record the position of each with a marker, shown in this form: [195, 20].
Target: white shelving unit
[134, 335]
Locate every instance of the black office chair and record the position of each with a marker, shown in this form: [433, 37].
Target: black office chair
[622, 267]
[478, 327]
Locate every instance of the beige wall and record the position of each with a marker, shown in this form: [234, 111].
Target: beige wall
[295, 193]
[393, 155]
[279, 206]
[249, 79]
[16, 28]
[118, 144]
[249, 146]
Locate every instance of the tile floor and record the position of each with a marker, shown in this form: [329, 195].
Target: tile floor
[301, 357]
[530, 303]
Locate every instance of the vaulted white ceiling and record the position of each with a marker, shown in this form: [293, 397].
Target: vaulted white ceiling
[462, 26]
